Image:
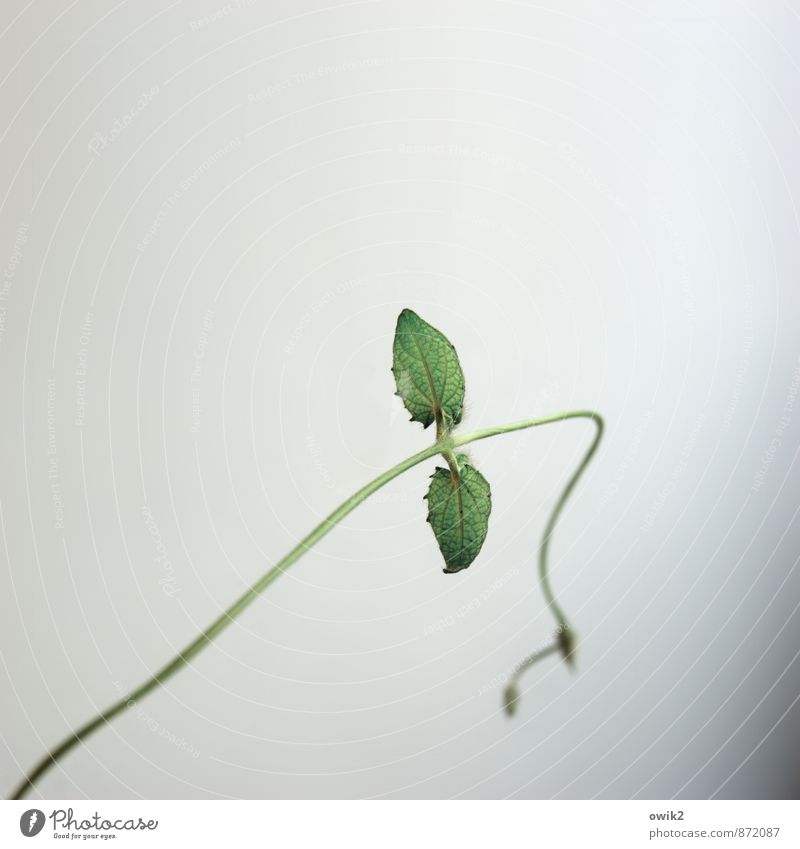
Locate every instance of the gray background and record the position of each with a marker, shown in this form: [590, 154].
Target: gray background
[595, 202]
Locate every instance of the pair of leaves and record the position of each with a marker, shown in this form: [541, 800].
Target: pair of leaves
[431, 384]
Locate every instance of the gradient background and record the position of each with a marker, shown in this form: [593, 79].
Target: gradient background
[211, 217]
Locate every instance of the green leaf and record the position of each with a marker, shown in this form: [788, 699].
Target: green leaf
[458, 511]
[427, 372]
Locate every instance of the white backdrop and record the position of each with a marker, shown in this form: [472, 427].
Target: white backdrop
[212, 215]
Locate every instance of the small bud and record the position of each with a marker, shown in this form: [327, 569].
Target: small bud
[510, 699]
[565, 637]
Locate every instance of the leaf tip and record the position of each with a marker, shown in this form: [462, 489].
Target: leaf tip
[405, 315]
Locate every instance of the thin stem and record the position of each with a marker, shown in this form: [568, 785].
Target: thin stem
[565, 636]
[222, 621]
[443, 445]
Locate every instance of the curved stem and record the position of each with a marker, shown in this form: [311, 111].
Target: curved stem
[564, 636]
[443, 445]
[551, 522]
[221, 622]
